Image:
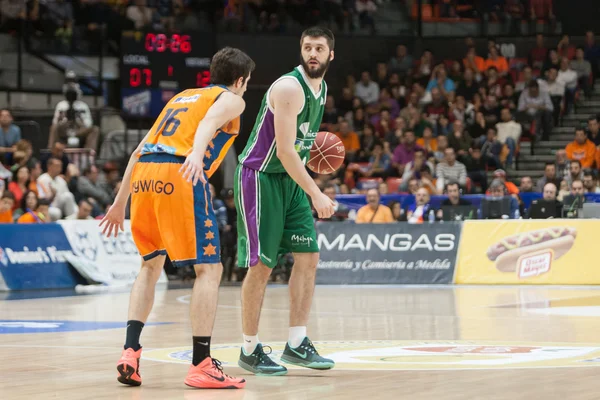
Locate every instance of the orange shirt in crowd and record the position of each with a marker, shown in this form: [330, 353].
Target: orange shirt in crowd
[30, 218]
[6, 217]
[350, 141]
[500, 63]
[430, 146]
[479, 63]
[383, 215]
[585, 153]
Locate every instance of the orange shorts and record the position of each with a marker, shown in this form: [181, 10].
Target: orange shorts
[171, 216]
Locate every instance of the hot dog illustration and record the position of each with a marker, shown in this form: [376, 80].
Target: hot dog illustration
[507, 251]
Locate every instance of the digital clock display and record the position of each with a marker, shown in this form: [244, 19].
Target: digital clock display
[156, 66]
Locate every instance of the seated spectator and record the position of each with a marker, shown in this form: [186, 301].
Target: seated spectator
[83, 212]
[478, 130]
[526, 185]
[413, 186]
[460, 140]
[491, 110]
[472, 62]
[451, 170]
[56, 151]
[373, 211]
[366, 89]
[367, 144]
[509, 134]
[384, 124]
[592, 52]
[549, 194]
[509, 99]
[29, 201]
[340, 210]
[468, 87]
[553, 61]
[405, 152]
[89, 186]
[541, 10]
[581, 149]
[575, 172]
[475, 165]
[565, 49]
[568, 78]
[397, 211]
[402, 63]
[442, 145]
[454, 199]
[23, 156]
[424, 67]
[73, 119]
[593, 132]
[440, 80]
[383, 188]
[497, 61]
[492, 82]
[564, 190]
[52, 187]
[20, 184]
[366, 9]
[10, 134]
[428, 142]
[556, 90]
[427, 181]
[511, 188]
[40, 215]
[583, 68]
[379, 163]
[577, 188]
[563, 165]
[7, 204]
[437, 108]
[535, 105]
[549, 177]
[349, 139]
[420, 211]
[590, 183]
[538, 55]
[140, 14]
[492, 149]
[413, 168]
[329, 122]
[497, 190]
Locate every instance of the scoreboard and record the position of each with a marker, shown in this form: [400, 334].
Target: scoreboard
[156, 66]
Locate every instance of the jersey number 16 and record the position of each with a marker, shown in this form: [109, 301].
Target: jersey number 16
[169, 124]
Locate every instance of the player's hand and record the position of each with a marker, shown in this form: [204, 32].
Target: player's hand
[113, 220]
[193, 168]
[324, 206]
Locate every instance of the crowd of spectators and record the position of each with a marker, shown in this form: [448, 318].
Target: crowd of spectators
[65, 19]
[414, 124]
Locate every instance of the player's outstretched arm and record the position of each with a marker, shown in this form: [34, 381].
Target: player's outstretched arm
[287, 99]
[115, 216]
[226, 108]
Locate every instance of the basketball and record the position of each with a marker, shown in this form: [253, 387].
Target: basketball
[327, 153]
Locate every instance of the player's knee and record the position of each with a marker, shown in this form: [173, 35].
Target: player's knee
[260, 271]
[209, 271]
[154, 266]
[306, 260]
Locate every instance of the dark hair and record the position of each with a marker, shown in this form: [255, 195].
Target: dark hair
[576, 180]
[492, 68]
[24, 200]
[84, 201]
[16, 172]
[580, 48]
[549, 163]
[7, 110]
[579, 128]
[8, 195]
[592, 117]
[230, 64]
[319, 31]
[452, 183]
[43, 202]
[52, 160]
[575, 161]
[425, 168]
[533, 84]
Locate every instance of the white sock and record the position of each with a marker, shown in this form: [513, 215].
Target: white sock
[297, 335]
[250, 343]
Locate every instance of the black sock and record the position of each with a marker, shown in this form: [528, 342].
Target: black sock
[201, 349]
[134, 330]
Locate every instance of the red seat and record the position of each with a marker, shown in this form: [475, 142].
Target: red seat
[393, 184]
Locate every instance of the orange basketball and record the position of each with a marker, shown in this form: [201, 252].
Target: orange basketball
[327, 153]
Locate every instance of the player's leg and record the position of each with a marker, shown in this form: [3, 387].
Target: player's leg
[144, 229]
[300, 238]
[191, 237]
[260, 225]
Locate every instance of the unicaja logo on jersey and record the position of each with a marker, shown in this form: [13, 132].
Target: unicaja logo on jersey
[301, 239]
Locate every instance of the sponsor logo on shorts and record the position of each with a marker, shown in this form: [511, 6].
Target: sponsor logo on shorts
[153, 186]
[302, 240]
[266, 258]
[536, 264]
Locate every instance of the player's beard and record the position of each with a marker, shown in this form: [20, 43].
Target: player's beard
[315, 73]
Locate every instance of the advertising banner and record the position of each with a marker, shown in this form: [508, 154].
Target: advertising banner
[554, 251]
[33, 256]
[387, 253]
[110, 261]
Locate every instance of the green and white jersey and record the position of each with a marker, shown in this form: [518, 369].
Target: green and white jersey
[260, 153]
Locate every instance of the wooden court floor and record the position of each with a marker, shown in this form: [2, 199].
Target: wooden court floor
[389, 342]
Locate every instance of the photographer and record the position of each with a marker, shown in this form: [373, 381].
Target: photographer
[72, 121]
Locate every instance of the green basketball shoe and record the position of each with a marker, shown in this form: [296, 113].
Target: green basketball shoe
[259, 362]
[306, 355]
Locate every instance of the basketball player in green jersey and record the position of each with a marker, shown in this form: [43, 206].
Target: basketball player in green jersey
[274, 214]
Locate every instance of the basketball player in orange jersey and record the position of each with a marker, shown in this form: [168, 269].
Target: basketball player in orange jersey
[171, 209]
